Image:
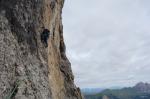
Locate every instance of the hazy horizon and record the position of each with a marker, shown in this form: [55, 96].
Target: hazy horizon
[108, 41]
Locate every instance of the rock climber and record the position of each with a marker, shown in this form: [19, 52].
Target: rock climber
[44, 37]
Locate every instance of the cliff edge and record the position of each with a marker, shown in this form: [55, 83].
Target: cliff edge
[28, 68]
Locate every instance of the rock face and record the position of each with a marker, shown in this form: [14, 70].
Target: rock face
[28, 69]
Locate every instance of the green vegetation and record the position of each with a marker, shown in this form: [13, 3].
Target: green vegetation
[13, 91]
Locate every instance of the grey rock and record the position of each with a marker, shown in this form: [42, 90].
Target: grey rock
[28, 70]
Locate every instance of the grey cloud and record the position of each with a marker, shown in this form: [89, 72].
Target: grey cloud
[108, 41]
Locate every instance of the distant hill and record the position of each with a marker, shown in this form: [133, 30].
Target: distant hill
[91, 91]
[142, 87]
[139, 91]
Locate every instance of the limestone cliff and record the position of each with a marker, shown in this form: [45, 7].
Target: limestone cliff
[28, 69]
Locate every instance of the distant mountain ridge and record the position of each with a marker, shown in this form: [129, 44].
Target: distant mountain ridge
[139, 91]
[142, 87]
[90, 91]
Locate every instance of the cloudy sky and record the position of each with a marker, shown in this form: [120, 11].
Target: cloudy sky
[108, 41]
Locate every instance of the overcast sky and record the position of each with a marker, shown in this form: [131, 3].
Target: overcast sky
[108, 41]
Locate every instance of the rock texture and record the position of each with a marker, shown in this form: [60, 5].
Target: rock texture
[105, 97]
[28, 70]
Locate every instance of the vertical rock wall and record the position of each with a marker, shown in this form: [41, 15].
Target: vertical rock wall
[29, 70]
